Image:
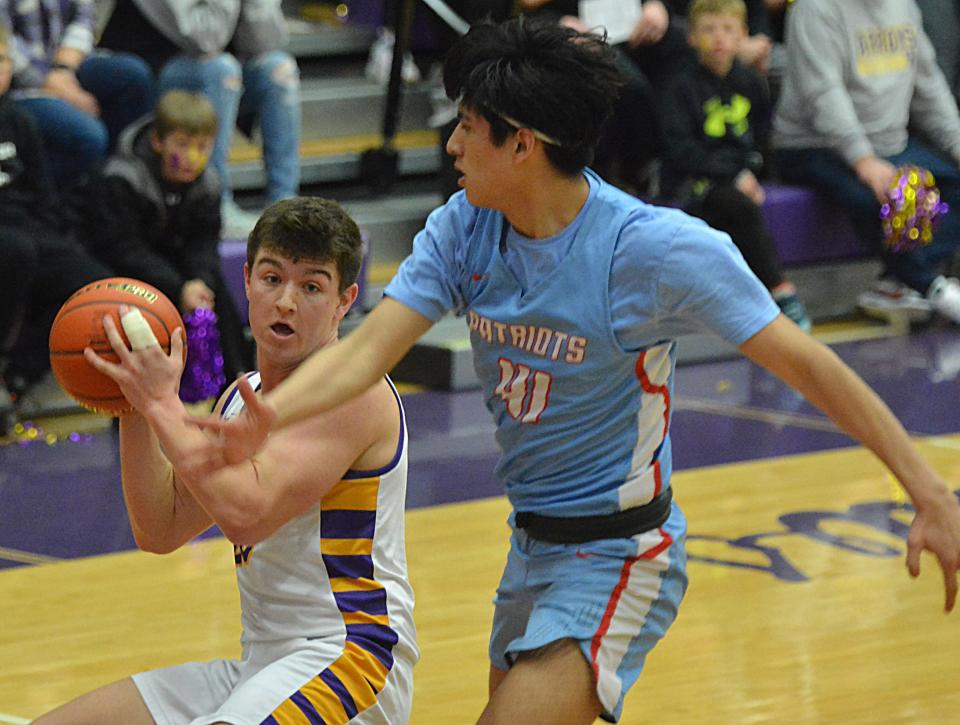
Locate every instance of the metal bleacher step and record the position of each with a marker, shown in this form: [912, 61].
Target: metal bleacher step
[342, 112]
[332, 160]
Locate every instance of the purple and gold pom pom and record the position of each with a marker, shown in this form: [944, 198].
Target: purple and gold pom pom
[913, 205]
[203, 376]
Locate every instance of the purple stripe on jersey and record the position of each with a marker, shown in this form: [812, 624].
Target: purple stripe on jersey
[371, 602]
[334, 683]
[346, 524]
[269, 720]
[234, 393]
[377, 639]
[359, 566]
[307, 708]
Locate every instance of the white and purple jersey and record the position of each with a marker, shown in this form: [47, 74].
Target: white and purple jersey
[574, 336]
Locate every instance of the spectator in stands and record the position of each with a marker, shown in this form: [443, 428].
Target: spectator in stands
[230, 50]
[153, 213]
[941, 23]
[631, 141]
[756, 46]
[857, 71]
[81, 99]
[39, 267]
[718, 114]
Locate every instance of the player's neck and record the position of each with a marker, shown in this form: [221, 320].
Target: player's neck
[274, 372]
[546, 207]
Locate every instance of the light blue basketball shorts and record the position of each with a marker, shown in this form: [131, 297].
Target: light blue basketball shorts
[616, 597]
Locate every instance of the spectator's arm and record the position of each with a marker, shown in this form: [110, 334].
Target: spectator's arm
[933, 108]
[817, 55]
[31, 153]
[201, 258]
[29, 67]
[115, 218]
[761, 114]
[80, 22]
[758, 18]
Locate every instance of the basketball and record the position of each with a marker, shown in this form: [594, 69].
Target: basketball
[79, 324]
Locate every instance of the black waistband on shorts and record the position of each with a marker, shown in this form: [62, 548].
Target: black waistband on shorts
[580, 529]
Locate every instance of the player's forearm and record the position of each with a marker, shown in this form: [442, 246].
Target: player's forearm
[148, 488]
[232, 496]
[340, 372]
[326, 379]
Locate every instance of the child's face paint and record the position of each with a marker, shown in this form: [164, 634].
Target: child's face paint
[183, 156]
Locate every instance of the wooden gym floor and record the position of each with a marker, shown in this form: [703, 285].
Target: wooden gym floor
[799, 608]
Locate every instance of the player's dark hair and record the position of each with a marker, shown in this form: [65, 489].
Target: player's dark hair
[541, 74]
[310, 228]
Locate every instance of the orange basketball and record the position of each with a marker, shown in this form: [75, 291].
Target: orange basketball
[79, 324]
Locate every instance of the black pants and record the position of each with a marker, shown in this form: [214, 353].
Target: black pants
[39, 269]
[726, 208]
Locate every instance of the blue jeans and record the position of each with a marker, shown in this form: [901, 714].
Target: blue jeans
[829, 172]
[266, 87]
[124, 87]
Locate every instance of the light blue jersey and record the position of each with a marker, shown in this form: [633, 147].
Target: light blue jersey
[575, 350]
[573, 341]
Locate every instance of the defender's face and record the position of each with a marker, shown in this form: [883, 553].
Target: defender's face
[295, 307]
[484, 167]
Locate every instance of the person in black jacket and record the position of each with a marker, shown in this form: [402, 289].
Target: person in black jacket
[39, 266]
[152, 212]
[719, 116]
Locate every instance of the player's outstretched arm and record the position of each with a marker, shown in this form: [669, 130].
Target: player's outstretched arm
[815, 371]
[327, 378]
[163, 513]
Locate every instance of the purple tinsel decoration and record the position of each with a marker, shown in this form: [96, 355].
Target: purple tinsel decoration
[203, 376]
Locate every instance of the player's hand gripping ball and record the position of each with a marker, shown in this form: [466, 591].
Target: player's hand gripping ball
[79, 324]
[913, 205]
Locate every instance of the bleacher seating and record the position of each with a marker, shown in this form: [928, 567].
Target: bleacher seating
[809, 229]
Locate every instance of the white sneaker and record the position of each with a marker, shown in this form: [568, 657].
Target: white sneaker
[944, 295]
[381, 58]
[890, 299]
[236, 223]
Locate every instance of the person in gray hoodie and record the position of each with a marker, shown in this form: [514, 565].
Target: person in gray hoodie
[232, 52]
[858, 72]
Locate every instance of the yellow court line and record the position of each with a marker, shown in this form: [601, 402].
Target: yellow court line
[26, 557]
[12, 719]
[942, 442]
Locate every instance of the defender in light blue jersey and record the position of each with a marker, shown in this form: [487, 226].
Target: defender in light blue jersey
[573, 293]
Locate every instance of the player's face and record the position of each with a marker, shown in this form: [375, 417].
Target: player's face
[183, 156]
[484, 167]
[717, 39]
[294, 305]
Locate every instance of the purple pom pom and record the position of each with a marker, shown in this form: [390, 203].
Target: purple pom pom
[913, 205]
[203, 376]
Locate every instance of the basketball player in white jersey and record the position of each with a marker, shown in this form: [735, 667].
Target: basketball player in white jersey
[574, 294]
[316, 517]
